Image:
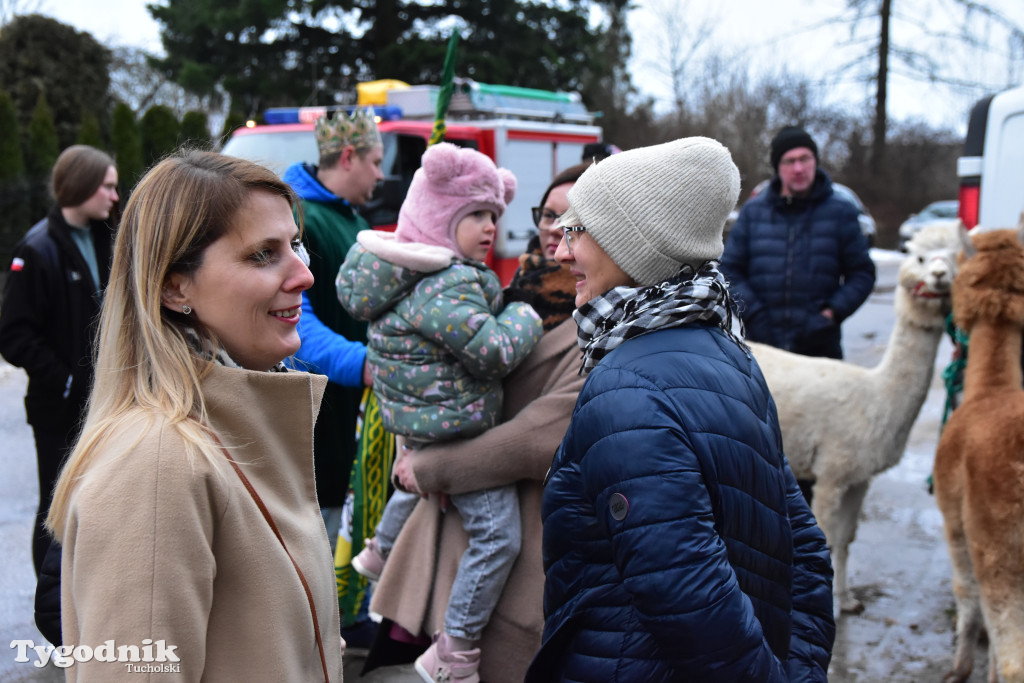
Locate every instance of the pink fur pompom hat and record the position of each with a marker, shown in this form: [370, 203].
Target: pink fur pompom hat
[452, 183]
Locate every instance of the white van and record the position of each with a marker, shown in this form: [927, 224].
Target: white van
[991, 171]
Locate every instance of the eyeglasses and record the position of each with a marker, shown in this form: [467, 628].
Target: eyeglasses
[542, 216]
[793, 161]
[568, 232]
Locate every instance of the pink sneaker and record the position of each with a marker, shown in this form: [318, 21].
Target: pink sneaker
[370, 562]
[440, 665]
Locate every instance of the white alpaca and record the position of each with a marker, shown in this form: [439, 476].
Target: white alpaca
[843, 423]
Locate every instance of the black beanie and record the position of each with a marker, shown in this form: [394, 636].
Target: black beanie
[789, 138]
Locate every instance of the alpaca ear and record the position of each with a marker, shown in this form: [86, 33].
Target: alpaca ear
[1020, 228]
[508, 181]
[441, 162]
[966, 242]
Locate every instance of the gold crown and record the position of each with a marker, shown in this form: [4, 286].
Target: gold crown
[358, 129]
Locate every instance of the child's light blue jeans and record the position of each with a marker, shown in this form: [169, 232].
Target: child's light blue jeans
[491, 520]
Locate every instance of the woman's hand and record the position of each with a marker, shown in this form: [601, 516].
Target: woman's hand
[403, 471]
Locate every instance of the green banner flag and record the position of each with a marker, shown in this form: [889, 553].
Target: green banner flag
[364, 505]
[444, 95]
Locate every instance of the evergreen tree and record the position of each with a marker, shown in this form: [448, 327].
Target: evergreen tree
[195, 130]
[43, 147]
[158, 131]
[124, 136]
[12, 160]
[232, 122]
[14, 205]
[606, 86]
[41, 55]
[89, 131]
[280, 52]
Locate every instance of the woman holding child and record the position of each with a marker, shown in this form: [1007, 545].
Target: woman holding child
[441, 339]
[538, 399]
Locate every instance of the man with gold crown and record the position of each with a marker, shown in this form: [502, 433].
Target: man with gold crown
[333, 343]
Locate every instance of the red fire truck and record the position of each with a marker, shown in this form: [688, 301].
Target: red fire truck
[533, 133]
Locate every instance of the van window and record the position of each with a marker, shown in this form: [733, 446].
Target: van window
[276, 150]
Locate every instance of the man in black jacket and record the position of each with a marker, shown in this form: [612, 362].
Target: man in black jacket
[51, 302]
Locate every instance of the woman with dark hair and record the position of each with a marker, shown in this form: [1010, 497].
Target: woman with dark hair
[51, 300]
[552, 205]
[538, 399]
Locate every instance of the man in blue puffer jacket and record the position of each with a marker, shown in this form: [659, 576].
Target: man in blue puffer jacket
[677, 544]
[796, 261]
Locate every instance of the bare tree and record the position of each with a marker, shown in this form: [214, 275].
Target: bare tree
[12, 8]
[682, 35]
[949, 56]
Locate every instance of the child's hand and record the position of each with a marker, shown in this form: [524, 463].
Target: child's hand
[367, 374]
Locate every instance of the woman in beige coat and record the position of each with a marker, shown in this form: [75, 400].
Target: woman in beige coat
[538, 400]
[187, 511]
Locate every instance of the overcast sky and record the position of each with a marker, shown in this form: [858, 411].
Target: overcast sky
[781, 33]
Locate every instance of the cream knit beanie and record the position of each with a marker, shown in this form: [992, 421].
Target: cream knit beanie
[654, 209]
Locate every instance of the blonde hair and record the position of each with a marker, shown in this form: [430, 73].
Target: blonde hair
[145, 365]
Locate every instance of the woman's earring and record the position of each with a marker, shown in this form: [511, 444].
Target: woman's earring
[186, 309]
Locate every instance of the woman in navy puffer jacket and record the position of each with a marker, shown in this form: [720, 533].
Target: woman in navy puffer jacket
[677, 545]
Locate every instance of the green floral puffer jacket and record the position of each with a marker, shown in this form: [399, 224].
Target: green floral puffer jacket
[440, 340]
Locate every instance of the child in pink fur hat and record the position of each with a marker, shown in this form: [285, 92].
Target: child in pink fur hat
[440, 341]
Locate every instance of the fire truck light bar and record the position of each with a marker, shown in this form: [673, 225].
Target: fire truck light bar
[278, 115]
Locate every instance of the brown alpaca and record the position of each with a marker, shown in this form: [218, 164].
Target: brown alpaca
[979, 464]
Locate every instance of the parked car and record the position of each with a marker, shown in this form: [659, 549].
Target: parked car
[867, 223]
[942, 211]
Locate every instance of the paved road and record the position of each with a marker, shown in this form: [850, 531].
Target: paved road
[898, 564]
[18, 500]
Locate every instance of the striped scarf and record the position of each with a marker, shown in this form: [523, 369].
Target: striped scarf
[622, 313]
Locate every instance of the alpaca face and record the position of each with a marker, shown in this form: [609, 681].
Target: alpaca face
[927, 273]
[991, 281]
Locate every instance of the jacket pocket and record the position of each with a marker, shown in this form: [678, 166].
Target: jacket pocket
[551, 658]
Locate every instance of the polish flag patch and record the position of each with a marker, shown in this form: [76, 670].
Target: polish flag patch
[17, 265]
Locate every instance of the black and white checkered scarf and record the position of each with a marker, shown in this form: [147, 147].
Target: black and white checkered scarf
[623, 313]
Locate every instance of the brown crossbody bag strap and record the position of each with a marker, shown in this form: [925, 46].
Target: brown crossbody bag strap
[270, 520]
